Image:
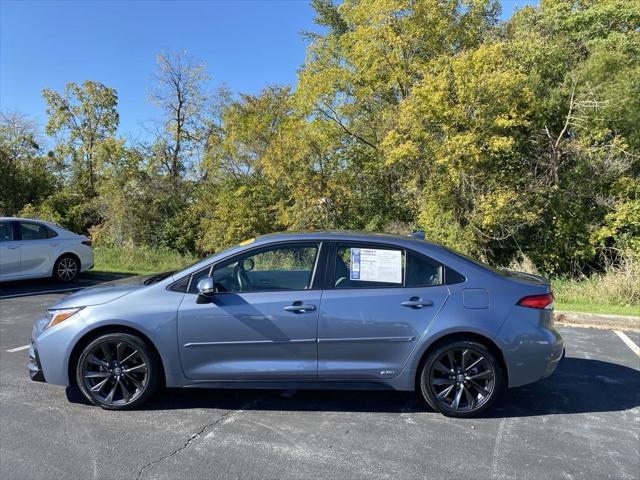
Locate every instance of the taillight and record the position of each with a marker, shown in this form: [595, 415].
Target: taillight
[544, 301]
[86, 242]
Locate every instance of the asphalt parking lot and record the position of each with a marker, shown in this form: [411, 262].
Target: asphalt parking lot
[584, 422]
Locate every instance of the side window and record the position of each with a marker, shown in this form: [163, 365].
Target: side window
[361, 266]
[286, 267]
[33, 231]
[422, 272]
[6, 232]
[452, 277]
[51, 233]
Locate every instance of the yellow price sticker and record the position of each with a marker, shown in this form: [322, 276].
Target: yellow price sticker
[247, 241]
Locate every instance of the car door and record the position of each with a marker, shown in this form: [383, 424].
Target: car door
[262, 321]
[39, 246]
[379, 301]
[9, 252]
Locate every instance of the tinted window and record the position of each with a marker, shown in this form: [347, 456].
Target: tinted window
[350, 276]
[6, 232]
[414, 270]
[34, 231]
[453, 277]
[287, 267]
[422, 272]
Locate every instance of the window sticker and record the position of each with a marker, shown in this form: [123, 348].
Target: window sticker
[373, 265]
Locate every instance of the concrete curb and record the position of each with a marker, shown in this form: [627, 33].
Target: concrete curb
[597, 320]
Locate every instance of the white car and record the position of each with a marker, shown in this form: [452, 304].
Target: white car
[37, 249]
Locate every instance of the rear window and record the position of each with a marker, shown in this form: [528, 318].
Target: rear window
[474, 261]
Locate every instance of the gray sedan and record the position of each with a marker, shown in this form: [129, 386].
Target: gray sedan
[307, 310]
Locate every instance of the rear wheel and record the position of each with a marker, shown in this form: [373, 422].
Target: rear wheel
[66, 268]
[117, 371]
[461, 379]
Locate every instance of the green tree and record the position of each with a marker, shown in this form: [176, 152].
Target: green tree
[27, 174]
[82, 117]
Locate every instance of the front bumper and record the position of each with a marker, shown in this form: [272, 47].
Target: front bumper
[50, 350]
[35, 368]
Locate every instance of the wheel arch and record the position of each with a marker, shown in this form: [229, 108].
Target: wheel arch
[461, 336]
[103, 330]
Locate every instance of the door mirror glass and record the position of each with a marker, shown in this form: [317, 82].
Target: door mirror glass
[248, 264]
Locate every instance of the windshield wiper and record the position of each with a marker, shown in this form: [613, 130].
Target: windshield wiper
[158, 277]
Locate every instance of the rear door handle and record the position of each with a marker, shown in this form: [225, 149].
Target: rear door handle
[13, 247]
[299, 307]
[415, 302]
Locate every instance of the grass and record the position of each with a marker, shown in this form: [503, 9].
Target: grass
[594, 307]
[138, 260]
[598, 294]
[617, 291]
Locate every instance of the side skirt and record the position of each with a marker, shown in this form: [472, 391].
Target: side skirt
[404, 382]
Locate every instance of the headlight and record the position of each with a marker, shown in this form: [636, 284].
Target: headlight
[57, 316]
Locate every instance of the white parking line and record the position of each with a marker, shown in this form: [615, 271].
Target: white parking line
[44, 292]
[630, 343]
[17, 349]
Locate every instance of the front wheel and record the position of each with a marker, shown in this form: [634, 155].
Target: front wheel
[117, 371]
[461, 379]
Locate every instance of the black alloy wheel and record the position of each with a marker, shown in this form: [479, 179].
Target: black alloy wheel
[117, 371]
[461, 379]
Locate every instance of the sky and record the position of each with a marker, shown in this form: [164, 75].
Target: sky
[246, 44]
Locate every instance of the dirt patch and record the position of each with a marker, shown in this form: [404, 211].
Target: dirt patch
[597, 320]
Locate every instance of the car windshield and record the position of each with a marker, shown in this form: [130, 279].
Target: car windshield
[473, 260]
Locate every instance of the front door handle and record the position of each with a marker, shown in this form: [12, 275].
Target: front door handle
[299, 307]
[13, 247]
[416, 302]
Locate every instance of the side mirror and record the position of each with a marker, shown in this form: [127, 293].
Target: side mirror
[248, 264]
[206, 290]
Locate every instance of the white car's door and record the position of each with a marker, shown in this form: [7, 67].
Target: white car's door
[9, 253]
[38, 249]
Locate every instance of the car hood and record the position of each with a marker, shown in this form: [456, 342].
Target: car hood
[103, 293]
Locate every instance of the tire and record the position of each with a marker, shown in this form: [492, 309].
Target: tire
[458, 389]
[118, 371]
[66, 268]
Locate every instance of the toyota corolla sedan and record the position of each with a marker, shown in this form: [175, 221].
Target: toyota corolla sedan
[333, 310]
[37, 249]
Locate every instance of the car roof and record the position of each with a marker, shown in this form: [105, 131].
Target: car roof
[346, 235]
[22, 219]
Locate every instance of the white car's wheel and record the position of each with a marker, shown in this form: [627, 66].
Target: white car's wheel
[66, 268]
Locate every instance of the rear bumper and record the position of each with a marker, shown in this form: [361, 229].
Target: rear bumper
[86, 258]
[553, 363]
[532, 347]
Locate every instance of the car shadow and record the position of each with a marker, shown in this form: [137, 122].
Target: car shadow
[578, 386]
